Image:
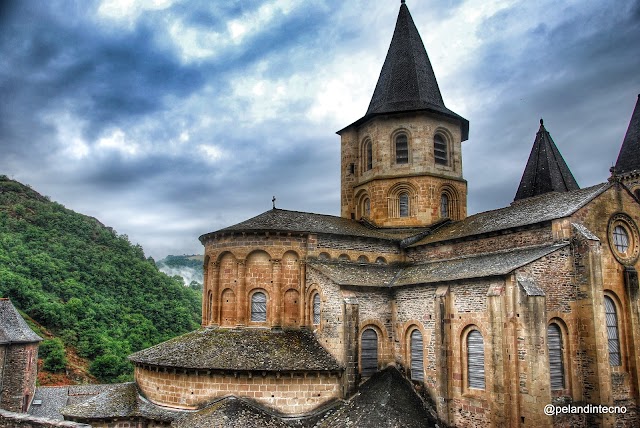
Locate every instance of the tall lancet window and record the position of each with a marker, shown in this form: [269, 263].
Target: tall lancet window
[440, 150]
[402, 149]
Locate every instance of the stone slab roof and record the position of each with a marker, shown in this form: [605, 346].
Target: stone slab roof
[407, 82]
[49, 400]
[13, 328]
[241, 349]
[476, 266]
[386, 400]
[118, 401]
[547, 207]
[302, 222]
[230, 412]
[344, 273]
[546, 169]
[629, 156]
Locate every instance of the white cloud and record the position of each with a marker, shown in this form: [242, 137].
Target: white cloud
[128, 11]
[118, 142]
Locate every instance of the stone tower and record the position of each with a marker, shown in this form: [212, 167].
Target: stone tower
[402, 161]
[627, 167]
[18, 359]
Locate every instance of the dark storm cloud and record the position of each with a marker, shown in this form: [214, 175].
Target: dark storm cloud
[105, 78]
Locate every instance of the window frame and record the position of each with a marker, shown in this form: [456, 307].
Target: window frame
[416, 365]
[612, 317]
[253, 311]
[316, 302]
[369, 368]
[470, 385]
[367, 155]
[444, 158]
[556, 358]
[401, 138]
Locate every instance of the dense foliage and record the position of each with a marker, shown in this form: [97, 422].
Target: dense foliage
[87, 284]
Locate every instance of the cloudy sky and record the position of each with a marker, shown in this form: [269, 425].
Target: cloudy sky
[166, 119]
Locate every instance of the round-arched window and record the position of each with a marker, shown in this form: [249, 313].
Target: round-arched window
[259, 307]
[623, 239]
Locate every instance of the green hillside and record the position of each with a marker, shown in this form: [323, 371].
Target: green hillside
[85, 283]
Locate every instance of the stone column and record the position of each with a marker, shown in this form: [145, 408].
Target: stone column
[214, 280]
[302, 281]
[205, 288]
[351, 316]
[241, 298]
[276, 270]
[442, 351]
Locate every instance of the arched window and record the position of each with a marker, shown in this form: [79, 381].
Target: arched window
[405, 209]
[369, 347]
[402, 149]
[444, 205]
[324, 256]
[259, 307]
[367, 155]
[475, 360]
[316, 309]
[556, 356]
[440, 150]
[344, 258]
[367, 207]
[363, 259]
[612, 332]
[381, 261]
[417, 358]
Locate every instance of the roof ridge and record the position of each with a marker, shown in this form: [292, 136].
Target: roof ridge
[503, 251]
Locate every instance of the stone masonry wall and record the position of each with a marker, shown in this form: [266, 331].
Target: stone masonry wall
[19, 380]
[289, 393]
[516, 239]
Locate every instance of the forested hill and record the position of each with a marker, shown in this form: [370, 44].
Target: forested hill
[85, 283]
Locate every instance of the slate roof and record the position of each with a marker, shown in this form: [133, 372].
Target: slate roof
[49, 400]
[629, 156]
[119, 401]
[546, 207]
[303, 222]
[476, 266]
[252, 349]
[386, 400]
[407, 81]
[356, 274]
[13, 328]
[230, 412]
[546, 170]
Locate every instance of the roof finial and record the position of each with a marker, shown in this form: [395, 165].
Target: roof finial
[541, 122]
[274, 202]
[401, 1]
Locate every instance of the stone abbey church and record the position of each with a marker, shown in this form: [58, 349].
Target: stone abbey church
[404, 311]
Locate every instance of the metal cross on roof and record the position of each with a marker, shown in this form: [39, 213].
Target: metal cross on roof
[274, 202]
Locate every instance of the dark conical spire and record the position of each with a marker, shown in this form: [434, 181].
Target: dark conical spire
[629, 157]
[546, 170]
[407, 81]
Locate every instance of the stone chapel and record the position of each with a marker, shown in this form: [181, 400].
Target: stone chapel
[404, 310]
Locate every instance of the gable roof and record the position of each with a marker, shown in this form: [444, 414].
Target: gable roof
[629, 156]
[231, 412]
[386, 400]
[13, 328]
[546, 170]
[407, 81]
[302, 222]
[252, 349]
[537, 209]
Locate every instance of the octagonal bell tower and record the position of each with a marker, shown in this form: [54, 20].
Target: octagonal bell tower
[402, 161]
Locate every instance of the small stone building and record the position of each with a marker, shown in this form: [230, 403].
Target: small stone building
[18, 359]
[478, 320]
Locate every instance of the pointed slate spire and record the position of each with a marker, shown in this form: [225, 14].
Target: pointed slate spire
[546, 170]
[629, 157]
[407, 81]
